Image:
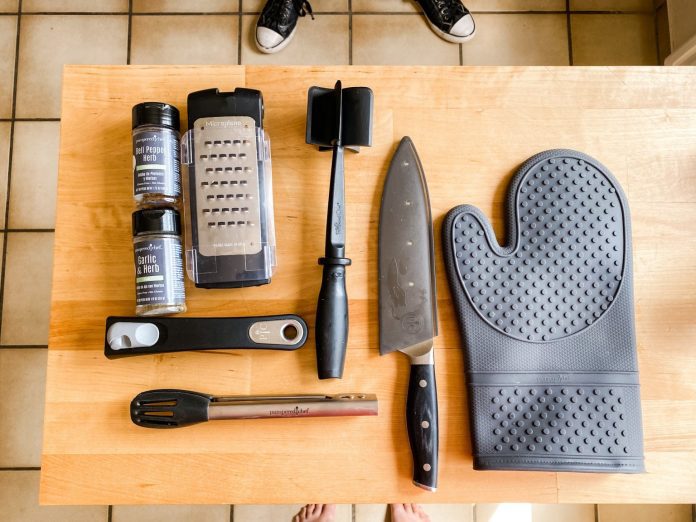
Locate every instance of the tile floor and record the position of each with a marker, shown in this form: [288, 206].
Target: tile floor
[38, 36]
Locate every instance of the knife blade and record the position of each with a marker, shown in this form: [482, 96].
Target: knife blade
[408, 300]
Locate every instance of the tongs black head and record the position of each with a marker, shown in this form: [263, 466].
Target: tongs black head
[169, 408]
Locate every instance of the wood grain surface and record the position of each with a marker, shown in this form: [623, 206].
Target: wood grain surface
[472, 128]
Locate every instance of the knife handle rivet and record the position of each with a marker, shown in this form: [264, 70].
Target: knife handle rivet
[426, 467]
[425, 425]
[422, 383]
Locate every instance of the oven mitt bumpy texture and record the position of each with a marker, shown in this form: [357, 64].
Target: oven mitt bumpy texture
[547, 321]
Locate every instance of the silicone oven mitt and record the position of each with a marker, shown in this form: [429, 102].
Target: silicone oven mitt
[547, 321]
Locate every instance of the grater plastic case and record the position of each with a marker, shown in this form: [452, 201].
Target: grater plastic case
[230, 233]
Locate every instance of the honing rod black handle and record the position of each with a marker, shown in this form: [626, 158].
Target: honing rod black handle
[332, 319]
[421, 421]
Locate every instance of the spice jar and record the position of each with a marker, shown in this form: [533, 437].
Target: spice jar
[156, 168]
[159, 268]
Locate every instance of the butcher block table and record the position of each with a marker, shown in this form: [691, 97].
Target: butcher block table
[472, 127]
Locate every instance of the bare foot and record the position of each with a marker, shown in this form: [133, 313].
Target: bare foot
[316, 513]
[408, 513]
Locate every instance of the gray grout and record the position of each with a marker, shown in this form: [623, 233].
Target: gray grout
[130, 31]
[350, 32]
[23, 346]
[9, 161]
[569, 33]
[239, 35]
[657, 35]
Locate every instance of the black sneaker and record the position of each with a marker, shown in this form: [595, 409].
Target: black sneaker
[278, 22]
[449, 19]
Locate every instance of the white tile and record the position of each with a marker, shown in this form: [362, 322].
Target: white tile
[281, 512]
[47, 42]
[612, 5]
[5, 128]
[217, 513]
[504, 39]
[185, 39]
[535, 512]
[372, 513]
[74, 6]
[22, 388]
[34, 174]
[26, 302]
[613, 39]
[322, 41]
[185, 6]
[564, 512]
[644, 513]
[19, 502]
[503, 512]
[399, 40]
[9, 6]
[8, 41]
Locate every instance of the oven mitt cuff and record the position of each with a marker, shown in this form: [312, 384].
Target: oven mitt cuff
[547, 321]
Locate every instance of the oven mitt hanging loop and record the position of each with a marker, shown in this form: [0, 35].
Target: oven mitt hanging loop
[547, 321]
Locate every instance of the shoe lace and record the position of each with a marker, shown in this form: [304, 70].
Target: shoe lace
[448, 8]
[281, 10]
[304, 8]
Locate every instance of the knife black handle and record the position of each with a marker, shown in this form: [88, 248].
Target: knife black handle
[331, 330]
[421, 420]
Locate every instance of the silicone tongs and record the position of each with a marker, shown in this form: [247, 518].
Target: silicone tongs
[176, 408]
[336, 119]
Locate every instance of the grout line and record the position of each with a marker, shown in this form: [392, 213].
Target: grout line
[232, 505]
[693, 513]
[657, 37]
[352, 512]
[350, 32]
[473, 513]
[23, 346]
[596, 512]
[21, 468]
[130, 31]
[27, 230]
[29, 119]
[109, 513]
[570, 33]
[461, 54]
[9, 160]
[239, 36]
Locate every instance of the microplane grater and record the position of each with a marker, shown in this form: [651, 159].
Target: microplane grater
[227, 195]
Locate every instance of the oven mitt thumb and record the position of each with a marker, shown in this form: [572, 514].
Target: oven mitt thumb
[547, 321]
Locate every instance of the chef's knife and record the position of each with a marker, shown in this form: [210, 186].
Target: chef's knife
[408, 301]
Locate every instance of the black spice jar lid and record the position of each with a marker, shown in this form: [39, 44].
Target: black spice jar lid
[156, 113]
[156, 221]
